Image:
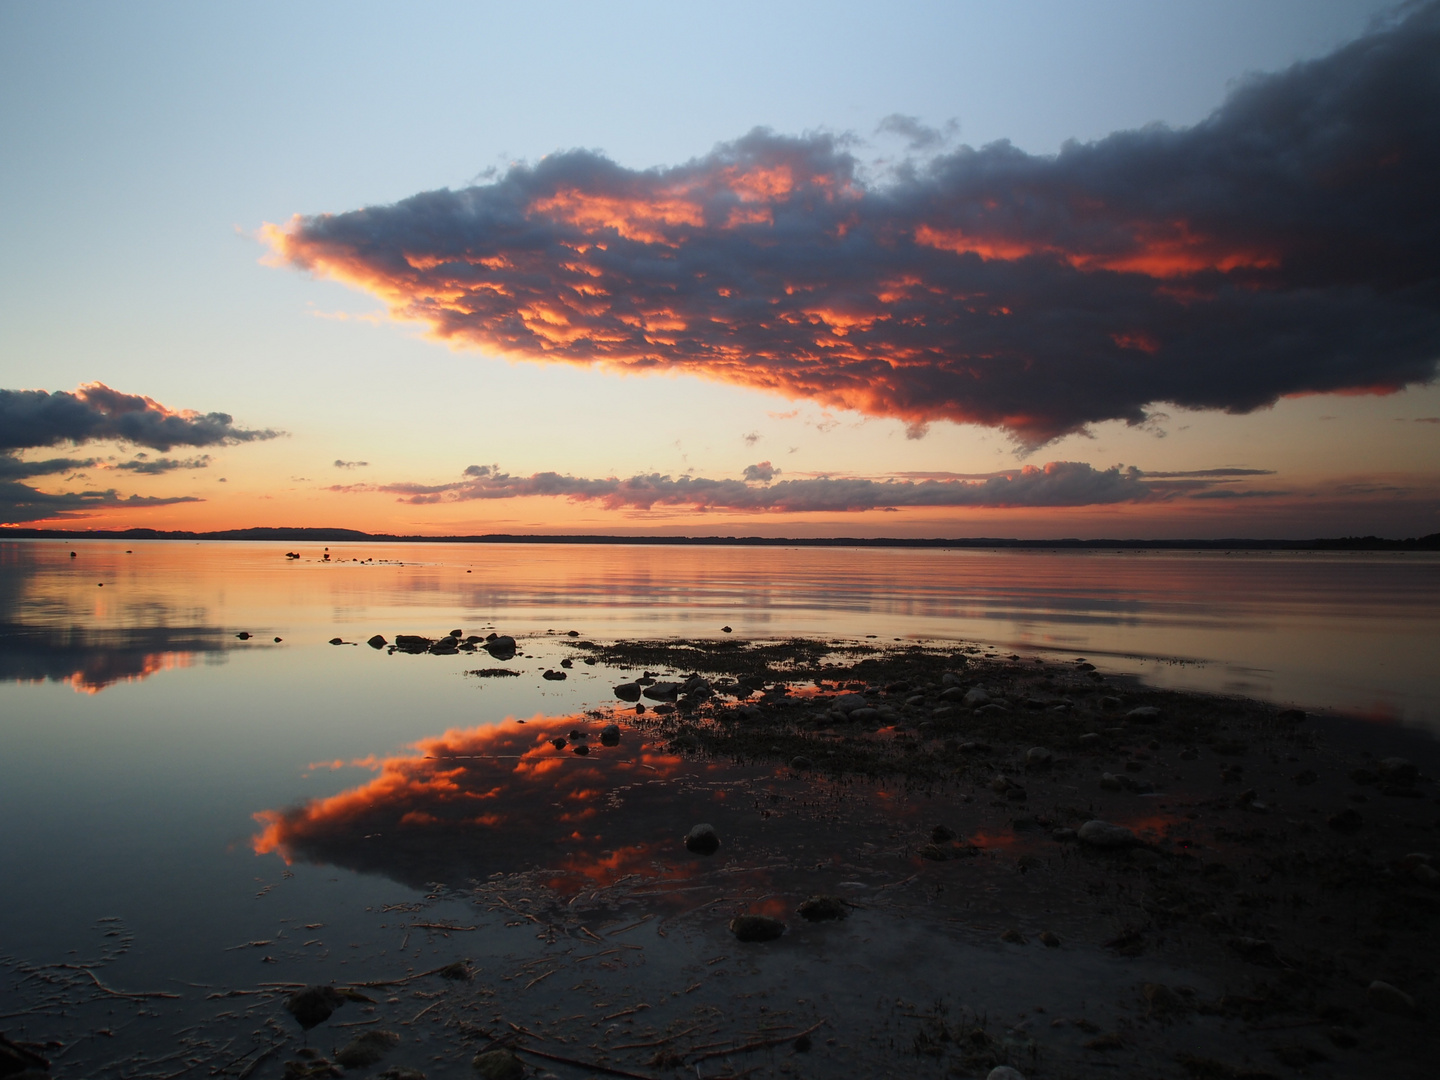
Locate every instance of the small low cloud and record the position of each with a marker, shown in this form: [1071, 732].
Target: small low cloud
[350, 464]
[1056, 484]
[752, 438]
[146, 466]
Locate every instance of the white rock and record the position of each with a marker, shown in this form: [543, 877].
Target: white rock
[1102, 834]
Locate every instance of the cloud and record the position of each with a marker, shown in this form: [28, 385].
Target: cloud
[30, 419]
[350, 464]
[917, 136]
[752, 438]
[1287, 244]
[1056, 484]
[33, 418]
[21, 503]
[147, 467]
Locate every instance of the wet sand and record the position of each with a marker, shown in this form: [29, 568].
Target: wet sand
[1278, 868]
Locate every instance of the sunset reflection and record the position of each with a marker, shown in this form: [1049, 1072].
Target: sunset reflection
[499, 797]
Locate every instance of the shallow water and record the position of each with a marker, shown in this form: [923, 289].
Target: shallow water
[155, 767]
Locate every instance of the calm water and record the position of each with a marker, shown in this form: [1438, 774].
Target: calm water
[154, 767]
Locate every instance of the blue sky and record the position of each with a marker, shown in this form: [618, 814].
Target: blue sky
[148, 143]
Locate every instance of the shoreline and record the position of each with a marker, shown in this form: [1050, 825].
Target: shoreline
[1430, 542]
[1268, 882]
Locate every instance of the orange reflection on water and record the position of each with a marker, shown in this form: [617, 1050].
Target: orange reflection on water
[501, 795]
[102, 670]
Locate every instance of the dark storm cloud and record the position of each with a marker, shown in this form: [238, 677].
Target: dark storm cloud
[34, 418]
[1288, 244]
[20, 503]
[1057, 484]
[30, 419]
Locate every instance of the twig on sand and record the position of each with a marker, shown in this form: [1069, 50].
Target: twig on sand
[537, 978]
[760, 1044]
[592, 1066]
[656, 1042]
[117, 993]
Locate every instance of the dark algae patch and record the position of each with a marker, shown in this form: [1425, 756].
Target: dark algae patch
[817, 858]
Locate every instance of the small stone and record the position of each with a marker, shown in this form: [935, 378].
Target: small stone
[1111, 782]
[366, 1049]
[1102, 834]
[582, 749]
[942, 834]
[629, 691]
[1347, 820]
[1091, 739]
[333, 640]
[823, 908]
[554, 676]
[1004, 1072]
[498, 1065]
[1390, 999]
[1397, 770]
[1144, 714]
[702, 840]
[1062, 834]
[1038, 756]
[726, 630]
[610, 735]
[1013, 937]
[1049, 940]
[974, 698]
[243, 635]
[800, 763]
[558, 742]
[567, 663]
[756, 928]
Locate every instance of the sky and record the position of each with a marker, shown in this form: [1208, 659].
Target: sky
[1034, 269]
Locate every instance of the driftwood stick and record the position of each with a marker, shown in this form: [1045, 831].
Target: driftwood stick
[656, 1042]
[760, 1044]
[118, 993]
[592, 1066]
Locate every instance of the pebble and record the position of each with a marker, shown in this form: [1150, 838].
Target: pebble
[1004, 1072]
[498, 1065]
[702, 840]
[1091, 739]
[1143, 713]
[1049, 940]
[629, 691]
[756, 928]
[1038, 755]
[377, 641]
[337, 641]
[800, 763]
[1390, 999]
[1102, 834]
[822, 908]
[610, 735]
[975, 697]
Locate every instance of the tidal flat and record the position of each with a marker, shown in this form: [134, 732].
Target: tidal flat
[918, 833]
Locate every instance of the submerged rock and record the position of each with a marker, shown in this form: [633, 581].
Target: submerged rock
[1102, 834]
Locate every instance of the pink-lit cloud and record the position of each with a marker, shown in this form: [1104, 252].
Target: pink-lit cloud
[1285, 245]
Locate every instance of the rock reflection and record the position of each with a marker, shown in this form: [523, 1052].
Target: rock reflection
[89, 661]
[504, 798]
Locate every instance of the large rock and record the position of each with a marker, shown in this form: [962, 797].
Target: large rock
[975, 698]
[377, 641]
[662, 691]
[1101, 834]
[628, 691]
[501, 646]
[848, 703]
[610, 735]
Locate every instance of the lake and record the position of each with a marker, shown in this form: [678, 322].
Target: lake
[155, 765]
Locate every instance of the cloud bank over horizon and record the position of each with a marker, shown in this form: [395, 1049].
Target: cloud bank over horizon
[33, 419]
[1056, 484]
[1285, 245]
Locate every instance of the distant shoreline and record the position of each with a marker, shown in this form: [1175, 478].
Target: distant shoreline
[313, 535]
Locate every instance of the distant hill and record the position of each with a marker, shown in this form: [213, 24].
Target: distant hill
[317, 536]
